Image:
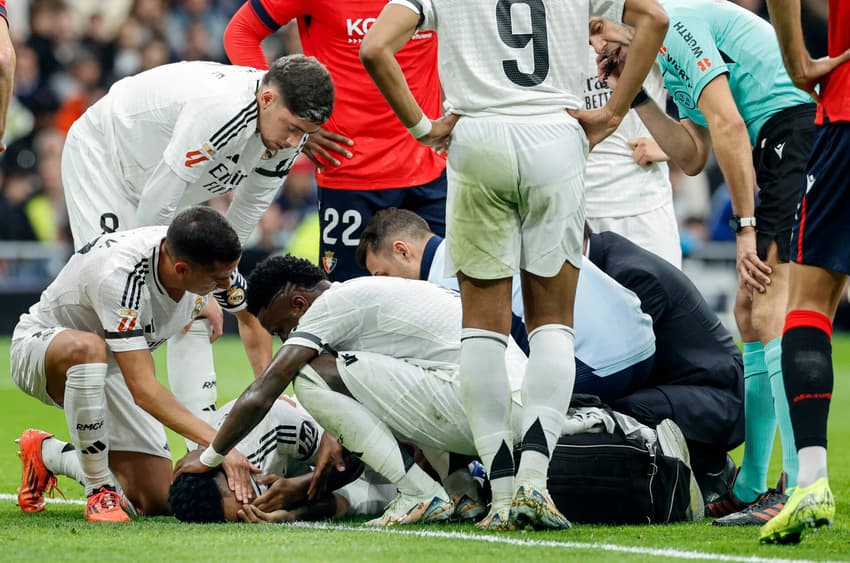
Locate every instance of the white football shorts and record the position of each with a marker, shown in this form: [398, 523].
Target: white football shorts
[655, 231]
[515, 195]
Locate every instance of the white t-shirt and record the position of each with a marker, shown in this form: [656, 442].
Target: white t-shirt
[200, 119]
[285, 441]
[612, 332]
[110, 287]
[615, 185]
[504, 58]
[405, 319]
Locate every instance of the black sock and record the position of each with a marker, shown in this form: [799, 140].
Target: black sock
[807, 370]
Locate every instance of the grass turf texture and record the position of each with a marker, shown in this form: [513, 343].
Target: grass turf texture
[62, 533]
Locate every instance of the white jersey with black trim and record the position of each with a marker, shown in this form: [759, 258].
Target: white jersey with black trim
[511, 57]
[200, 118]
[285, 441]
[615, 185]
[111, 287]
[405, 319]
[612, 332]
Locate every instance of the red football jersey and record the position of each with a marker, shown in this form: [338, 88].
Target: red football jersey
[3, 8]
[835, 90]
[385, 154]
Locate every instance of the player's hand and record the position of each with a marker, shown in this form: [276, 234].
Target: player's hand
[238, 470]
[646, 151]
[215, 315]
[441, 131]
[752, 272]
[328, 458]
[280, 493]
[326, 144]
[191, 463]
[597, 123]
[254, 515]
[810, 72]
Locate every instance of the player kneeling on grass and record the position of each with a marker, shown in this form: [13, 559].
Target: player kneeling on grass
[284, 447]
[86, 347]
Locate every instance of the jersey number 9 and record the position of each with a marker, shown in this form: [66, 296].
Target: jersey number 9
[538, 37]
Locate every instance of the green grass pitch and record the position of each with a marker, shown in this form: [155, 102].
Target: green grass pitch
[62, 533]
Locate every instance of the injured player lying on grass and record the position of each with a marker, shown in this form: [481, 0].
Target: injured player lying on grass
[373, 360]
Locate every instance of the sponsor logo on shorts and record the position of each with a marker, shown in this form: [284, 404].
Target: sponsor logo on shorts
[778, 149]
[810, 182]
[329, 261]
[193, 158]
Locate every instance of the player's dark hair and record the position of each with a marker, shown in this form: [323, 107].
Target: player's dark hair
[202, 236]
[196, 498]
[273, 273]
[386, 225]
[305, 85]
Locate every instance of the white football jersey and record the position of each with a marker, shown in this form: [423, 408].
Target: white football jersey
[601, 303]
[615, 185]
[200, 118]
[404, 319]
[285, 441]
[511, 57]
[111, 287]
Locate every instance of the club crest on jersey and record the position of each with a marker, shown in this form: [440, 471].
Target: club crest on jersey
[129, 317]
[199, 306]
[329, 261]
[235, 296]
[268, 154]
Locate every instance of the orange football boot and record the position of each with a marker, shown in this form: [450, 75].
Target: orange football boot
[36, 480]
[104, 505]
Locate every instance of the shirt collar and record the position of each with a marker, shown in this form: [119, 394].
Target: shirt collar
[428, 256]
[155, 268]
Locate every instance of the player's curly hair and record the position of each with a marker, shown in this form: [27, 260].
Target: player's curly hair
[196, 498]
[270, 275]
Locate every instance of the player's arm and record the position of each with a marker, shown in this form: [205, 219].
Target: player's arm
[250, 408]
[148, 393]
[160, 197]
[393, 29]
[256, 341]
[7, 75]
[683, 141]
[733, 152]
[804, 71]
[245, 32]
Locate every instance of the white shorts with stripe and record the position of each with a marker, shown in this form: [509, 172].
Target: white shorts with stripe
[131, 429]
[515, 195]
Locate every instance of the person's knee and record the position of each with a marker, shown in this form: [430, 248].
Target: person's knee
[84, 348]
[649, 406]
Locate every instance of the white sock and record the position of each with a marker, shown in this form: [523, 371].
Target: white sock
[191, 372]
[60, 458]
[812, 465]
[85, 412]
[487, 400]
[546, 392]
[362, 433]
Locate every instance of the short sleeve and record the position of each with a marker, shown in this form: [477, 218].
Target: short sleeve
[425, 9]
[120, 301]
[232, 299]
[690, 53]
[327, 324]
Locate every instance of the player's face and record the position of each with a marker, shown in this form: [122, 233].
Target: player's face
[610, 38]
[229, 503]
[200, 280]
[392, 263]
[279, 128]
[282, 314]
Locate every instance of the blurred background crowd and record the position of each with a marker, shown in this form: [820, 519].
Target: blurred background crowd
[70, 51]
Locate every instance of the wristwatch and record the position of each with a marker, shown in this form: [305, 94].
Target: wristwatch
[737, 223]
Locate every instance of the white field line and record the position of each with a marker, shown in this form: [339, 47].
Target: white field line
[499, 539]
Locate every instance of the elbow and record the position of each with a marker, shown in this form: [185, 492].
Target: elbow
[693, 166]
[371, 53]
[7, 60]
[143, 398]
[659, 19]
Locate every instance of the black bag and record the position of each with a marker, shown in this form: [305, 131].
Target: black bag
[601, 478]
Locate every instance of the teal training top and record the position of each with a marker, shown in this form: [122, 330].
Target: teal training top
[707, 38]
